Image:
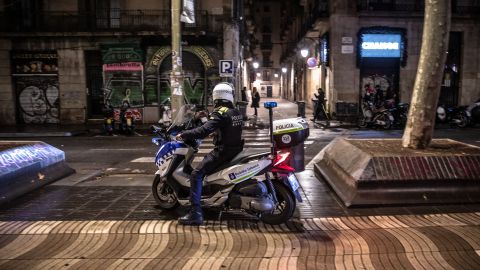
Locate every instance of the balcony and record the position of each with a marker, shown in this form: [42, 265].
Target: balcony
[105, 21]
[460, 8]
[317, 16]
[266, 46]
[319, 12]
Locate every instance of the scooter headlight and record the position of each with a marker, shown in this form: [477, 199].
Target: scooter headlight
[441, 113]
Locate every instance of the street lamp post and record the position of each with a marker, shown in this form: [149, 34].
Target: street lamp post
[304, 53]
[283, 87]
[176, 77]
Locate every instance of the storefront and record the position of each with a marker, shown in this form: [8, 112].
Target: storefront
[35, 80]
[381, 52]
[199, 71]
[123, 79]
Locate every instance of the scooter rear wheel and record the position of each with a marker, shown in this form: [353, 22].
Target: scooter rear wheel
[284, 208]
[164, 194]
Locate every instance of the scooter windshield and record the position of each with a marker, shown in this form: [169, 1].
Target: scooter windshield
[185, 114]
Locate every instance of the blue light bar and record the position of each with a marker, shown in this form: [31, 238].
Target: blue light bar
[270, 104]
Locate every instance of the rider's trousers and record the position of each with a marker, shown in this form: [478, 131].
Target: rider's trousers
[210, 162]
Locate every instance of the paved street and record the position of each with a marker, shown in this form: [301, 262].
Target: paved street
[104, 216]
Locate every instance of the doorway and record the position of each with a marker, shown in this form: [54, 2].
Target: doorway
[95, 99]
[269, 91]
[451, 74]
[380, 74]
[193, 80]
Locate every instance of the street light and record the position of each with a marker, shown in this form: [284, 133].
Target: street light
[255, 65]
[304, 53]
[284, 69]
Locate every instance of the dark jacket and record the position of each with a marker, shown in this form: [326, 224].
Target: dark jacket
[226, 121]
[256, 100]
[320, 96]
[244, 95]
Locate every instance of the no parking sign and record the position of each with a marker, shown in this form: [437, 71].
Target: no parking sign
[226, 68]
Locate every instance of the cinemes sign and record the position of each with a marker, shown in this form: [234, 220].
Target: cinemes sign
[381, 45]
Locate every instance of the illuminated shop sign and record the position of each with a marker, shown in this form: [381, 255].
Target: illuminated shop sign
[324, 49]
[129, 66]
[381, 45]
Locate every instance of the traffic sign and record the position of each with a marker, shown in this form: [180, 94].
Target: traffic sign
[226, 68]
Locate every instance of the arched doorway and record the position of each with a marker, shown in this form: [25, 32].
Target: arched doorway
[193, 82]
[199, 69]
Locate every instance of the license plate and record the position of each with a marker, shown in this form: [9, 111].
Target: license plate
[109, 121]
[129, 121]
[292, 179]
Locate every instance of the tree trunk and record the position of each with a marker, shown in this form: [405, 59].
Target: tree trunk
[421, 117]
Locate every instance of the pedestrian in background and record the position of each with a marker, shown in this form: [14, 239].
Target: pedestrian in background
[255, 100]
[244, 93]
[320, 104]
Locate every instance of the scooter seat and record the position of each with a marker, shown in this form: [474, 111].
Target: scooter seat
[244, 156]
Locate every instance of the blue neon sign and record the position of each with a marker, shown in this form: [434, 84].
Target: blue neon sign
[381, 45]
[24, 155]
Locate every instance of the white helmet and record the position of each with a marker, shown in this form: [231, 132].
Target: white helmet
[223, 91]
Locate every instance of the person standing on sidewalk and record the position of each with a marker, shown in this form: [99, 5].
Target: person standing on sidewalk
[244, 94]
[255, 100]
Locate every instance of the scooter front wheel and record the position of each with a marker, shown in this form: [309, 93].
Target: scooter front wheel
[285, 206]
[362, 122]
[164, 194]
[462, 121]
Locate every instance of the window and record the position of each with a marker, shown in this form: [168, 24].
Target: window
[266, 75]
[266, 59]
[266, 38]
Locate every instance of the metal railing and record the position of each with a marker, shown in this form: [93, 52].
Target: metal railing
[459, 7]
[103, 20]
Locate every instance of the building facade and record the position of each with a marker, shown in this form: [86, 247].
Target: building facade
[357, 45]
[62, 61]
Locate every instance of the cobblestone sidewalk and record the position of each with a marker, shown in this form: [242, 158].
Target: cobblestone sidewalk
[442, 241]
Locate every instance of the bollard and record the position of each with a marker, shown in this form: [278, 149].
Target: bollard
[301, 109]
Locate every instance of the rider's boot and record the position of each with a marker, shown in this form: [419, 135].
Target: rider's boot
[195, 215]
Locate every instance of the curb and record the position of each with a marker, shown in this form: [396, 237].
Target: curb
[41, 134]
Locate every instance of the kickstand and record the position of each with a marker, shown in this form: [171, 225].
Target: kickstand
[220, 216]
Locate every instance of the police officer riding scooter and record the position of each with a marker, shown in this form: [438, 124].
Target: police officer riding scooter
[225, 123]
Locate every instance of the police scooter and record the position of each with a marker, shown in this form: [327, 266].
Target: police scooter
[257, 182]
